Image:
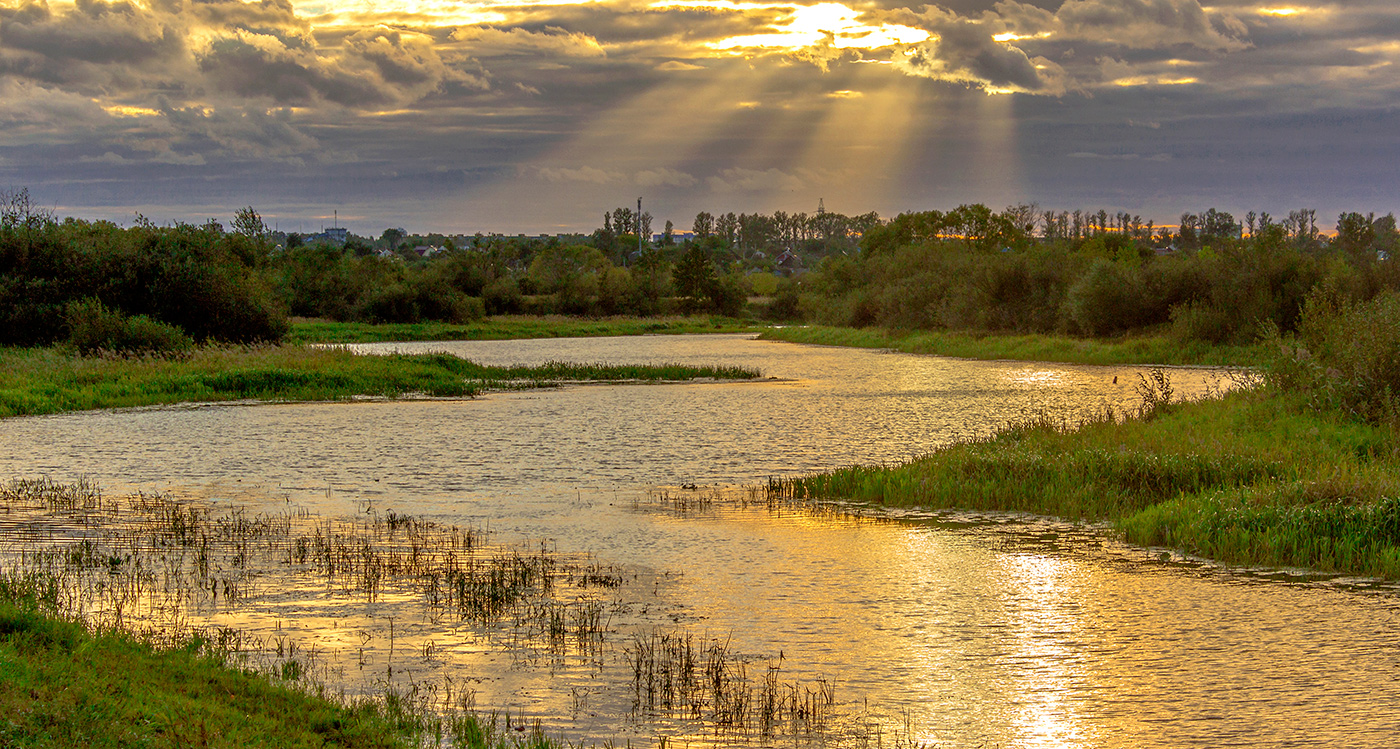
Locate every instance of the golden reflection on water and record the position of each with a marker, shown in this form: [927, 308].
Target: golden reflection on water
[1041, 601]
[1033, 377]
[959, 632]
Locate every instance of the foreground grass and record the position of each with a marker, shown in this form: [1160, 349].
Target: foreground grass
[1249, 479]
[1146, 350]
[44, 381]
[62, 685]
[509, 328]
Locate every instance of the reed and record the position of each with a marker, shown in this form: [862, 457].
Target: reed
[174, 575]
[674, 676]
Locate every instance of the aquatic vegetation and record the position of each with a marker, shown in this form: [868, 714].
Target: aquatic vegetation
[182, 578]
[1247, 477]
[42, 381]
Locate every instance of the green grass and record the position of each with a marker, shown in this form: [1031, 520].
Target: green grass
[62, 685]
[1137, 350]
[508, 328]
[1248, 479]
[43, 381]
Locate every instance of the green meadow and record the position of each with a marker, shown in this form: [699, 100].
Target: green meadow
[52, 380]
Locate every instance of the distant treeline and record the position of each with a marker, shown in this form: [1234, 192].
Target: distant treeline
[99, 286]
[1091, 274]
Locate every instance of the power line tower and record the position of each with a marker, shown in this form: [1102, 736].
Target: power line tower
[821, 207]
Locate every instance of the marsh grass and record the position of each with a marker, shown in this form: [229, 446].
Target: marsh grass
[178, 580]
[1248, 477]
[674, 675]
[43, 381]
[1159, 350]
[507, 327]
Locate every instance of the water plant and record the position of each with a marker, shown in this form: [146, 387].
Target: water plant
[42, 381]
[182, 575]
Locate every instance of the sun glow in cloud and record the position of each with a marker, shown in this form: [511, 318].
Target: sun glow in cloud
[1149, 80]
[833, 24]
[1283, 12]
[122, 110]
[1011, 36]
[442, 12]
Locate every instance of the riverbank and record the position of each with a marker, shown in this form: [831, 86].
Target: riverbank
[1158, 350]
[64, 685]
[510, 327]
[1249, 479]
[49, 380]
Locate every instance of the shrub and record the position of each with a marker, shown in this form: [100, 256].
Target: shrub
[1104, 300]
[94, 329]
[1201, 321]
[1344, 357]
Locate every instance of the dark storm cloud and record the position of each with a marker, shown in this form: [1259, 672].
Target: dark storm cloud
[250, 132]
[237, 66]
[560, 98]
[965, 51]
[93, 32]
[1150, 23]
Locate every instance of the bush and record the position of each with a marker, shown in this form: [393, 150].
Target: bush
[94, 329]
[1345, 356]
[1104, 301]
[1201, 321]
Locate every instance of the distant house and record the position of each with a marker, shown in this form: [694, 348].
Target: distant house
[789, 264]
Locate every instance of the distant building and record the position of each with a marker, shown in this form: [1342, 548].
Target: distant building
[676, 236]
[335, 236]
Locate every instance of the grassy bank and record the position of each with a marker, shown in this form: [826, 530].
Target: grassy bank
[508, 328]
[63, 685]
[1137, 350]
[1249, 479]
[47, 380]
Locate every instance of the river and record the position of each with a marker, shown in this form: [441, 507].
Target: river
[936, 628]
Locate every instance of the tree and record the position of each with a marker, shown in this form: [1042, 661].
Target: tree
[248, 223]
[704, 225]
[391, 238]
[668, 236]
[694, 276]
[1355, 234]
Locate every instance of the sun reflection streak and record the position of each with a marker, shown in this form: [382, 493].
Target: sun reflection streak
[1037, 587]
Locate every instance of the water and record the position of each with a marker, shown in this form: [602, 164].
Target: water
[943, 628]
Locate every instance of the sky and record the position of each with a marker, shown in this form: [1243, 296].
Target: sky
[537, 116]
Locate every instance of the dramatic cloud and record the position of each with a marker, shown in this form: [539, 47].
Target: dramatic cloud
[515, 115]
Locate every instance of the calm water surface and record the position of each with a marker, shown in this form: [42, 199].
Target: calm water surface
[955, 630]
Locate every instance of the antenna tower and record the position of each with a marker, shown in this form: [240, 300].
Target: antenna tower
[821, 207]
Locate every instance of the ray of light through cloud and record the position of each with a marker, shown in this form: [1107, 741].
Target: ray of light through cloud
[531, 114]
